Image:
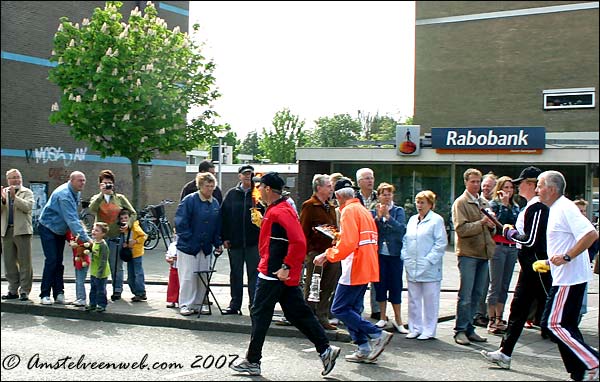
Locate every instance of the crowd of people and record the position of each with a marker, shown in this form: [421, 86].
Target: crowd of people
[318, 264]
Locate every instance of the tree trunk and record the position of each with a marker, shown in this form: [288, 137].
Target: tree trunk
[135, 176]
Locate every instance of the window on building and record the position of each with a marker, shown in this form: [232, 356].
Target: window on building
[191, 160]
[569, 98]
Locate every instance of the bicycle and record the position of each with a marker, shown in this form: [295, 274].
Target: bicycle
[155, 224]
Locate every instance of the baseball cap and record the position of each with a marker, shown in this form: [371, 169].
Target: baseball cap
[245, 168]
[530, 172]
[271, 179]
[343, 183]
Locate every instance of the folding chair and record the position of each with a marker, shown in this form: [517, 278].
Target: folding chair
[209, 273]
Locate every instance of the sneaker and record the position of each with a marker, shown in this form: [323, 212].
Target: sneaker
[381, 324]
[412, 335]
[185, 311]
[46, 300]
[591, 375]
[24, 297]
[328, 358]
[380, 344]
[359, 357]
[497, 357]
[335, 321]
[60, 299]
[90, 308]
[10, 296]
[424, 337]
[144, 297]
[230, 311]
[171, 305]
[115, 296]
[205, 309]
[100, 309]
[244, 366]
[400, 328]
[462, 339]
[137, 299]
[79, 303]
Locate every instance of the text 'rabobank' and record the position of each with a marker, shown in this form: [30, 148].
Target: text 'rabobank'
[488, 138]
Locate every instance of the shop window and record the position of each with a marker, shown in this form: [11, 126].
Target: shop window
[569, 98]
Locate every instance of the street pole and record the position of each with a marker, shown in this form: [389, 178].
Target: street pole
[220, 159]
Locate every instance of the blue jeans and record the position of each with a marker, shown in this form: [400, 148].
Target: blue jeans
[98, 292]
[80, 275]
[135, 276]
[473, 277]
[502, 266]
[347, 306]
[52, 276]
[116, 264]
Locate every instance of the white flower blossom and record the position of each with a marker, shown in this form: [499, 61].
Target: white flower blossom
[115, 72]
[149, 102]
[95, 97]
[54, 106]
[65, 91]
[98, 139]
[150, 67]
[85, 22]
[104, 28]
[109, 51]
[115, 53]
[115, 101]
[122, 80]
[138, 82]
[163, 117]
[143, 139]
[53, 53]
[114, 124]
[72, 43]
[151, 32]
[78, 98]
[113, 16]
[90, 86]
[143, 68]
[60, 27]
[176, 29]
[137, 98]
[161, 131]
[178, 111]
[126, 117]
[60, 60]
[159, 85]
[105, 101]
[76, 25]
[148, 3]
[99, 68]
[78, 62]
[71, 97]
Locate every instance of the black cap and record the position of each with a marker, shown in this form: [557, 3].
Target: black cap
[528, 173]
[271, 179]
[245, 168]
[343, 183]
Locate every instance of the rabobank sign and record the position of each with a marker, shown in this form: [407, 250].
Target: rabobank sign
[512, 139]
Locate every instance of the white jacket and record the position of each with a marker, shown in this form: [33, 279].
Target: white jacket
[423, 248]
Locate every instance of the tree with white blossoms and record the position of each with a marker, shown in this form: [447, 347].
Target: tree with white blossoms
[127, 87]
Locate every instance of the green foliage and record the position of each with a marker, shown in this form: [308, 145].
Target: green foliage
[279, 144]
[335, 131]
[376, 127]
[127, 87]
[250, 146]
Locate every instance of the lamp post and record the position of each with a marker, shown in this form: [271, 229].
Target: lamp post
[220, 136]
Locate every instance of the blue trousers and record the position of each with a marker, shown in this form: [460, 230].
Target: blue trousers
[347, 306]
[52, 276]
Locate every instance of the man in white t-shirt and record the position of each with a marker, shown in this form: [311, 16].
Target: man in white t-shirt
[569, 234]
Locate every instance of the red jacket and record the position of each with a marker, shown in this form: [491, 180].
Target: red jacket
[281, 240]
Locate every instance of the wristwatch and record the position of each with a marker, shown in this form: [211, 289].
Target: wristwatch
[285, 267]
[567, 258]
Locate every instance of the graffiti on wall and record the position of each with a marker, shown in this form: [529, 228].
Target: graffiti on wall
[54, 154]
[59, 174]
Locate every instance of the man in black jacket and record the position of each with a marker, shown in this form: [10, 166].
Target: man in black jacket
[205, 166]
[240, 238]
[532, 287]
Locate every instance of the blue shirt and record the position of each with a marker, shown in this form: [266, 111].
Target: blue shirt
[60, 212]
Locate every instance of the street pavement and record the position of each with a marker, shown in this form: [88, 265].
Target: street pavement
[154, 312]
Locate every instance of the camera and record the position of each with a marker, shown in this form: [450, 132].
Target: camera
[108, 186]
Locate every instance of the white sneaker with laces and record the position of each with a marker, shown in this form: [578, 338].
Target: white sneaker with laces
[328, 358]
[46, 301]
[358, 357]
[381, 324]
[185, 311]
[204, 309]
[244, 366]
[380, 343]
[79, 303]
[497, 357]
[60, 299]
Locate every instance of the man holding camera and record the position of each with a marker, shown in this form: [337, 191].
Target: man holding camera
[17, 230]
[106, 206]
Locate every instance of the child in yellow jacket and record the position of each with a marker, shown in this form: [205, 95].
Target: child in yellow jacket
[135, 271]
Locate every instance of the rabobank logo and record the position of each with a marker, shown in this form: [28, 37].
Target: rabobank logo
[477, 138]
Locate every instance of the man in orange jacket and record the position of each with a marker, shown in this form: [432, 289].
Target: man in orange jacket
[357, 251]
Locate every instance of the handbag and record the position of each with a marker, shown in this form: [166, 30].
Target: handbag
[125, 253]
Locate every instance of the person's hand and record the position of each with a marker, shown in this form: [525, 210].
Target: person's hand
[282, 274]
[4, 191]
[13, 192]
[320, 260]
[381, 210]
[504, 197]
[541, 266]
[485, 221]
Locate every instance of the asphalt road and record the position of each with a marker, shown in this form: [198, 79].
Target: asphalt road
[30, 344]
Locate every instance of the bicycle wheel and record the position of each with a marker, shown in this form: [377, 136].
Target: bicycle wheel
[153, 236]
[166, 229]
[88, 222]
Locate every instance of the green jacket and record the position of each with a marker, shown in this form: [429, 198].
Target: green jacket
[99, 267]
[109, 212]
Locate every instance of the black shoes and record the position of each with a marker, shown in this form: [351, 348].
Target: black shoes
[23, 297]
[230, 310]
[116, 296]
[10, 296]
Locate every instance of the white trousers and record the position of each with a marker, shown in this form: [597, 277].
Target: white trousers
[191, 289]
[423, 307]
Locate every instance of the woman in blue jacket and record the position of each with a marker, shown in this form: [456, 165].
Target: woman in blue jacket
[423, 253]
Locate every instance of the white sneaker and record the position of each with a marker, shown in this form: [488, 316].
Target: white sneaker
[412, 335]
[204, 309]
[379, 344]
[185, 311]
[381, 324]
[424, 337]
[46, 300]
[79, 303]
[497, 357]
[335, 321]
[60, 299]
[400, 328]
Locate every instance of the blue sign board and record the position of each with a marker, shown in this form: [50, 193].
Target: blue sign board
[498, 138]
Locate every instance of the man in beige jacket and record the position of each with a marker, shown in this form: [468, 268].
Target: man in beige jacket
[17, 231]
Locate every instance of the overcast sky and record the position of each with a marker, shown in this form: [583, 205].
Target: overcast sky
[316, 58]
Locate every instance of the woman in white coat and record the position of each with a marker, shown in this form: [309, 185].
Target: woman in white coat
[423, 253]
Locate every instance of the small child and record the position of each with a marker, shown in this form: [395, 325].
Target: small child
[173, 285]
[135, 271]
[99, 269]
[81, 262]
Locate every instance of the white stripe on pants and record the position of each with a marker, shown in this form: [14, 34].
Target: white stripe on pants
[191, 289]
[423, 307]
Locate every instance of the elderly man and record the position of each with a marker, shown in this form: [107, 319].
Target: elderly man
[356, 249]
[240, 238]
[17, 231]
[190, 187]
[568, 236]
[474, 247]
[59, 215]
[282, 247]
[319, 210]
